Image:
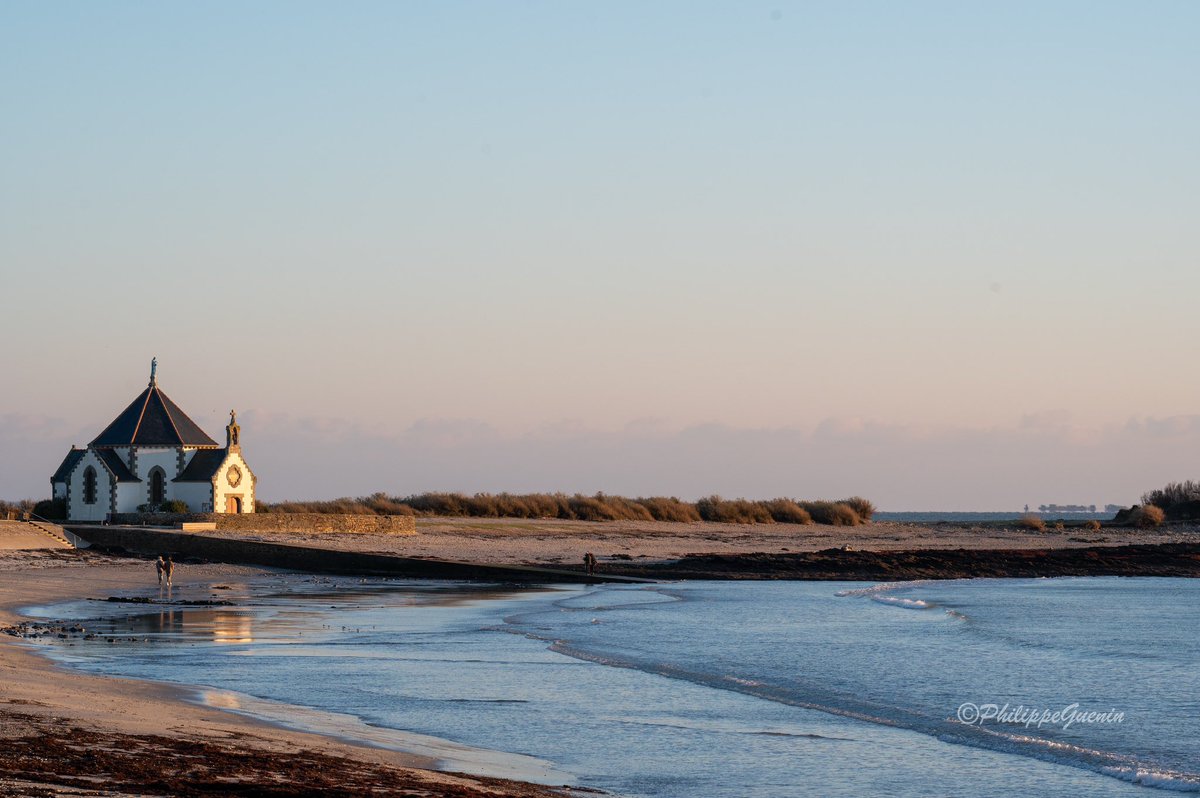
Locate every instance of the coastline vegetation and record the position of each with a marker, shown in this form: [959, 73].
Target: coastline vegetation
[15, 509]
[599, 507]
[1147, 516]
[1177, 500]
[1032, 522]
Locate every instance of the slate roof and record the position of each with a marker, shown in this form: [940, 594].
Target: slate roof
[68, 465]
[203, 466]
[116, 465]
[153, 419]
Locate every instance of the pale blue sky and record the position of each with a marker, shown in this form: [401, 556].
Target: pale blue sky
[607, 218]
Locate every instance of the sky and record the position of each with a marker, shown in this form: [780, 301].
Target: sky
[940, 254]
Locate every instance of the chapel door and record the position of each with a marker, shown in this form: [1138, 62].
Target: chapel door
[233, 504]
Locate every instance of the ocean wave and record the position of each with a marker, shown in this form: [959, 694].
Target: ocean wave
[1160, 779]
[882, 587]
[724, 727]
[908, 604]
[948, 730]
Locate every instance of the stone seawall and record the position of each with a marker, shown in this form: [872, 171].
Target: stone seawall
[279, 522]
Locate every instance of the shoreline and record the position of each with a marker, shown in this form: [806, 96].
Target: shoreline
[548, 551]
[1155, 559]
[126, 724]
[562, 544]
[47, 709]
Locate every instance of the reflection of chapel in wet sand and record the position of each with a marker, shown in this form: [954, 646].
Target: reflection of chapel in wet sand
[153, 454]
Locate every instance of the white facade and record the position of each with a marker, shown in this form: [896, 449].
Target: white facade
[230, 497]
[153, 454]
[90, 488]
[218, 493]
[197, 495]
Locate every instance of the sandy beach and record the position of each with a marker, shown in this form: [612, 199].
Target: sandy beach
[68, 733]
[92, 735]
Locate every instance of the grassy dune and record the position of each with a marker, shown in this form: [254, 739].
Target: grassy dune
[600, 507]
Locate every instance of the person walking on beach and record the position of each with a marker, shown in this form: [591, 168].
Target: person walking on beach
[160, 565]
[166, 568]
[589, 562]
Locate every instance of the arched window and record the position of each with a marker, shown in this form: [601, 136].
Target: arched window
[158, 485]
[89, 485]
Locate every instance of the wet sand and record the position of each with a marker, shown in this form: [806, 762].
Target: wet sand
[69, 733]
[1161, 559]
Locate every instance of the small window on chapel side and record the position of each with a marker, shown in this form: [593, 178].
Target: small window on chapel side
[89, 486]
[158, 486]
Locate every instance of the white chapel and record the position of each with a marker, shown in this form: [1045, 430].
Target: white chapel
[153, 454]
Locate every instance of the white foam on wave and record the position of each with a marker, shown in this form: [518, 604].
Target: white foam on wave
[1162, 780]
[882, 587]
[909, 604]
[1107, 763]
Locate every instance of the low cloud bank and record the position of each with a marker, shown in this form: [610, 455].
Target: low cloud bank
[1039, 459]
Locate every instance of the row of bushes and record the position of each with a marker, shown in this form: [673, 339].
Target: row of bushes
[1178, 500]
[1036, 523]
[16, 509]
[600, 507]
[50, 509]
[1143, 517]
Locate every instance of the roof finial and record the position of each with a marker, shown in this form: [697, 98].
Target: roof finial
[233, 433]
[153, 371]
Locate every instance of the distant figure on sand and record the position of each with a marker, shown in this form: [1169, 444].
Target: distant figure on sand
[589, 562]
[165, 568]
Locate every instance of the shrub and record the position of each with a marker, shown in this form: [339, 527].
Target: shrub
[1093, 525]
[438, 504]
[733, 511]
[832, 513]
[51, 509]
[1031, 522]
[786, 511]
[345, 506]
[670, 509]
[1174, 493]
[592, 508]
[16, 509]
[1059, 525]
[625, 509]
[858, 504]
[174, 506]
[1147, 516]
[382, 504]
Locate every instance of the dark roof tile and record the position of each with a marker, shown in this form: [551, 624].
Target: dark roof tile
[116, 465]
[68, 465]
[203, 466]
[153, 420]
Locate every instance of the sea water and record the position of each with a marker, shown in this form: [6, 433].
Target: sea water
[709, 688]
